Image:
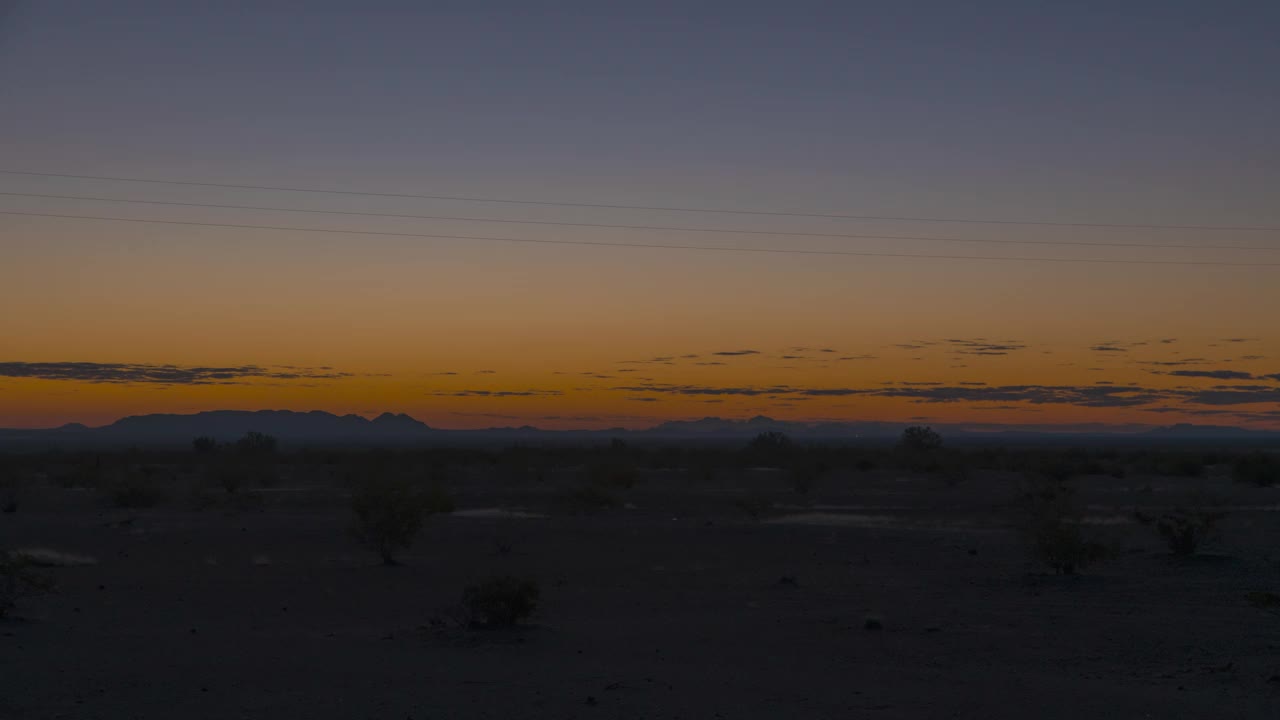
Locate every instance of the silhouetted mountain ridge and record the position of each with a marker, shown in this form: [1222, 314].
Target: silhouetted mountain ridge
[320, 427]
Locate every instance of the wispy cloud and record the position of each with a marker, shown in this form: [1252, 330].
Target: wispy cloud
[498, 393]
[144, 373]
[1215, 374]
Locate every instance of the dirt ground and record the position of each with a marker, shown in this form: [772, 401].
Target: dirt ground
[679, 605]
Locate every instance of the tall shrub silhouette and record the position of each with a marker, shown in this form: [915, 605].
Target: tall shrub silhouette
[388, 512]
[771, 449]
[1052, 525]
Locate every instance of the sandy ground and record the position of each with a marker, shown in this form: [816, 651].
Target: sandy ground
[674, 607]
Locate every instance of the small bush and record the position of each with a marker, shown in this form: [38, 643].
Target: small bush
[256, 443]
[13, 487]
[18, 580]
[591, 497]
[1257, 468]
[756, 506]
[140, 488]
[1265, 600]
[1051, 525]
[387, 514]
[805, 475]
[1184, 530]
[500, 602]
[612, 474]
[770, 449]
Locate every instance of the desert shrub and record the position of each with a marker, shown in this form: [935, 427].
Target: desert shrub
[1051, 525]
[19, 580]
[256, 443]
[234, 474]
[500, 601]
[591, 497]
[953, 468]
[612, 473]
[1184, 529]
[804, 475]
[388, 512]
[755, 506]
[920, 439]
[1265, 600]
[1170, 464]
[13, 487]
[136, 488]
[1257, 468]
[769, 448]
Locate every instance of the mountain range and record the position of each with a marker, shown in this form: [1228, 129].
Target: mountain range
[321, 428]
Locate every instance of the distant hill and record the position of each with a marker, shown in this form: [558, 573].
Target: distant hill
[318, 428]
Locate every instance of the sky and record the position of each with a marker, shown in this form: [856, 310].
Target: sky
[1115, 163]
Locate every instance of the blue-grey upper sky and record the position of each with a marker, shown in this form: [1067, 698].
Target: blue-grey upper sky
[1119, 110]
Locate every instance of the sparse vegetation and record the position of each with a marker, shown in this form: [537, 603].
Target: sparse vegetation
[13, 486]
[140, 487]
[806, 474]
[770, 449]
[591, 497]
[388, 513]
[756, 506]
[256, 443]
[500, 602]
[1257, 468]
[1265, 600]
[19, 580]
[1184, 529]
[1052, 526]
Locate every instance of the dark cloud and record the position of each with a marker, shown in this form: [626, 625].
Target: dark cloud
[1232, 397]
[496, 416]
[1167, 341]
[737, 352]
[709, 363]
[982, 346]
[1173, 363]
[1215, 374]
[499, 393]
[1239, 340]
[1253, 357]
[1108, 347]
[1273, 376]
[856, 357]
[143, 373]
[486, 372]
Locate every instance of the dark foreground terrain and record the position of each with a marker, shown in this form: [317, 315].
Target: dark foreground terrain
[883, 593]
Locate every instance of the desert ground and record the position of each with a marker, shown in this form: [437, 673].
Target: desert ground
[881, 593]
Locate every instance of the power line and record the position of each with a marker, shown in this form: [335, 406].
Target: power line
[606, 206]
[657, 246]
[666, 228]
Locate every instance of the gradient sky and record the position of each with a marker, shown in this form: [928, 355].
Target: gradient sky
[1134, 113]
